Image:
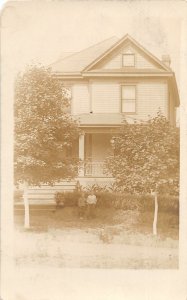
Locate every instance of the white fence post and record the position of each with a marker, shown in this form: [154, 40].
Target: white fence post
[155, 214]
[26, 206]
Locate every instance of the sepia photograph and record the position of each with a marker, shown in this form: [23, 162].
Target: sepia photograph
[93, 149]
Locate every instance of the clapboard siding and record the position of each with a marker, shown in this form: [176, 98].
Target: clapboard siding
[105, 97]
[80, 99]
[171, 109]
[150, 98]
[116, 61]
[142, 63]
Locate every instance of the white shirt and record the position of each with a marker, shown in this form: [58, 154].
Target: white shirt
[91, 199]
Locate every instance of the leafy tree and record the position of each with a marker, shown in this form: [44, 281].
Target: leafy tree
[44, 131]
[146, 159]
[146, 154]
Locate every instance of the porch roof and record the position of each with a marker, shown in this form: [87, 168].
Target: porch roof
[104, 119]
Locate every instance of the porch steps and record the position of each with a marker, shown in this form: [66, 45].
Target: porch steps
[43, 197]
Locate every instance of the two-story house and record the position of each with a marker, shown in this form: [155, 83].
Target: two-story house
[108, 81]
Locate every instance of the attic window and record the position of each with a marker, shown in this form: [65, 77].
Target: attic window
[128, 60]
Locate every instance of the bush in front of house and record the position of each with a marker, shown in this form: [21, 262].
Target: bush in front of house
[118, 201]
[167, 203]
[67, 198]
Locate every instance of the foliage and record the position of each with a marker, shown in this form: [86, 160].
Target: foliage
[44, 131]
[123, 201]
[118, 200]
[67, 198]
[97, 188]
[166, 203]
[145, 155]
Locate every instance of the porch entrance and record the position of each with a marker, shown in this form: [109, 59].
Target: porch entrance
[96, 149]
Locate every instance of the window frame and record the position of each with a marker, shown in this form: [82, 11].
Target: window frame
[135, 99]
[125, 54]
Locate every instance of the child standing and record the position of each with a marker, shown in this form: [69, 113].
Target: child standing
[91, 204]
[81, 205]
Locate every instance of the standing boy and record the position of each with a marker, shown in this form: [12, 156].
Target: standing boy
[91, 204]
[81, 205]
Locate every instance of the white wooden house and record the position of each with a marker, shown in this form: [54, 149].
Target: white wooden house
[109, 81]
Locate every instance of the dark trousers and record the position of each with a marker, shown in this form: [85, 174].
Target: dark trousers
[81, 211]
[90, 210]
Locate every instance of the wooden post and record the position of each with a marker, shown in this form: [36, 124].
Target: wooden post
[26, 207]
[81, 154]
[155, 214]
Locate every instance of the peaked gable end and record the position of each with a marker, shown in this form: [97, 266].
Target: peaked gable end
[126, 57]
[127, 53]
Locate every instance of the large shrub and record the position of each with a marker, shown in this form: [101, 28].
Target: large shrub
[166, 203]
[67, 198]
[145, 203]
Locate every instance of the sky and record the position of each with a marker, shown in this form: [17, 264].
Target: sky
[41, 31]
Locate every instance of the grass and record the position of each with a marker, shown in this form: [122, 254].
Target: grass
[114, 239]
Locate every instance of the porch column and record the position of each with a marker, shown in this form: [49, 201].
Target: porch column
[81, 154]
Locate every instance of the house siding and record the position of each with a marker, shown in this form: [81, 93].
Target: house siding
[105, 97]
[80, 99]
[116, 61]
[150, 98]
[171, 110]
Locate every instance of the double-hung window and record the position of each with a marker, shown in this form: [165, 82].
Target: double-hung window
[128, 100]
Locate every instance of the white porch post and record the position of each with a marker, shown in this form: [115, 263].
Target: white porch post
[81, 154]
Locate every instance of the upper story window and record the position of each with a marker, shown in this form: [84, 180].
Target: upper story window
[128, 60]
[128, 100]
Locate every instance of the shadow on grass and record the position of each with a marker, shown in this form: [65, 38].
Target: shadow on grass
[132, 221]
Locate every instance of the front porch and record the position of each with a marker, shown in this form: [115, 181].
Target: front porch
[95, 169]
[94, 147]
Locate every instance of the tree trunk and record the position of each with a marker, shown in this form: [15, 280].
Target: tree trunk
[155, 215]
[26, 206]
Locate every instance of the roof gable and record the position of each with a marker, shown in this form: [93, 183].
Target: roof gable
[113, 57]
[115, 60]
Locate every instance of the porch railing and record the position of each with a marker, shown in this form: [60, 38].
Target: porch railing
[95, 168]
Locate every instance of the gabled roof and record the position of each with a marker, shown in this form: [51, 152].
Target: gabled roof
[85, 60]
[77, 62]
[128, 39]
